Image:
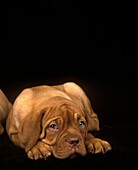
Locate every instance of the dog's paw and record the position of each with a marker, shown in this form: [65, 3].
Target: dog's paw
[98, 146]
[39, 151]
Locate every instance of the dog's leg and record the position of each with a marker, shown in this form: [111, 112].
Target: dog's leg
[96, 145]
[39, 151]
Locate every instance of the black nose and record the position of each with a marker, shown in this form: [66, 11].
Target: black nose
[73, 141]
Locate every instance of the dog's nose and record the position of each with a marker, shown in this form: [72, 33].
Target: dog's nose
[73, 141]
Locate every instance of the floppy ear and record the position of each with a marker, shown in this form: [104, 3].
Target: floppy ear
[30, 130]
[24, 121]
[74, 90]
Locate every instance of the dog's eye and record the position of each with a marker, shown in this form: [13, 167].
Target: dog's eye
[81, 123]
[53, 127]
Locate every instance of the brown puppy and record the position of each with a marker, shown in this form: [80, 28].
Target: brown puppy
[56, 120]
[5, 106]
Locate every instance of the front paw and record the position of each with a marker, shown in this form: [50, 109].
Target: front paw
[98, 146]
[39, 151]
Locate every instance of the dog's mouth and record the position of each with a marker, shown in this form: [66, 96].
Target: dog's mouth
[71, 152]
[75, 153]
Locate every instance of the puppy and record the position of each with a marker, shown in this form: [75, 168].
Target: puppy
[56, 120]
[5, 106]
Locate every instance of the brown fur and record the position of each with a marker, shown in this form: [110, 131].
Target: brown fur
[5, 106]
[56, 120]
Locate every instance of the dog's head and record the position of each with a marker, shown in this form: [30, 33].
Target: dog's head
[64, 128]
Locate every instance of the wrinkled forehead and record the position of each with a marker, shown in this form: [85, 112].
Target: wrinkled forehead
[68, 111]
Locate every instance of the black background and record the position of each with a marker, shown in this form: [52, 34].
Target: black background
[94, 45]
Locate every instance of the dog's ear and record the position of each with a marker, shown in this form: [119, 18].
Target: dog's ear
[30, 129]
[22, 127]
[75, 90]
